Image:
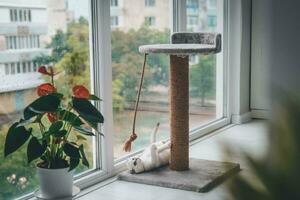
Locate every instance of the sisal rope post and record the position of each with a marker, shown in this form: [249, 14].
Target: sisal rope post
[179, 112]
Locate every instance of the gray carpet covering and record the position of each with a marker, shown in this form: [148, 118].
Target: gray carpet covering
[202, 176]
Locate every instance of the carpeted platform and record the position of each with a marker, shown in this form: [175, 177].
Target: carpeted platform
[202, 176]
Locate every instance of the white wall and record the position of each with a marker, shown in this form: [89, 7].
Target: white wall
[39, 16]
[275, 51]
[4, 15]
[285, 55]
[260, 58]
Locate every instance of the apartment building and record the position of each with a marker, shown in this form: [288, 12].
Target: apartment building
[26, 26]
[131, 14]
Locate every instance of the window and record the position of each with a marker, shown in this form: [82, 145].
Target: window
[15, 15]
[114, 3]
[6, 69]
[20, 67]
[71, 51]
[212, 21]
[24, 69]
[11, 14]
[29, 15]
[206, 86]
[19, 78]
[114, 21]
[20, 15]
[192, 4]
[29, 66]
[150, 21]
[126, 66]
[12, 68]
[205, 107]
[149, 3]
[23, 42]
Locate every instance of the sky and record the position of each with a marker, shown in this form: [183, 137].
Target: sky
[80, 7]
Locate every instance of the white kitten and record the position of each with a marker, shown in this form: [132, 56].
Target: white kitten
[156, 155]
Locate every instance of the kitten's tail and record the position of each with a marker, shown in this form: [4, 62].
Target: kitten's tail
[154, 133]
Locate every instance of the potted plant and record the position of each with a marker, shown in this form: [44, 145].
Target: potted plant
[60, 125]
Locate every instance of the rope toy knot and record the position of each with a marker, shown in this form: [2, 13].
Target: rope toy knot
[127, 146]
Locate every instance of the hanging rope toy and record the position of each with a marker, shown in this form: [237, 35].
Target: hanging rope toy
[133, 136]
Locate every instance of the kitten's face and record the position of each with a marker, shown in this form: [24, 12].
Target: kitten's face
[135, 165]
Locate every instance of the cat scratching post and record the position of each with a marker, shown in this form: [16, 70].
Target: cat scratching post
[183, 45]
[184, 173]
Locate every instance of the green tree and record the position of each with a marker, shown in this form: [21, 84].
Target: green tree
[127, 61]
[202, 78]
[58, 46]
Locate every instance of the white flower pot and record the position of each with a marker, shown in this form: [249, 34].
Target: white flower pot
[55, 183]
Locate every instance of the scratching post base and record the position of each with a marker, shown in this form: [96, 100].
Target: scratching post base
[202, 176]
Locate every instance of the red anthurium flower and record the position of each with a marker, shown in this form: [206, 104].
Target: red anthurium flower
[45, 89]
[81, 92]
[52, 117]
[43, 70]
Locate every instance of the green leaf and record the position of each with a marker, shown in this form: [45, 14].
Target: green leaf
[74, 162]
[71, 150]
[80, 137]
[84, 131]
[35, 149]
[48, 103]
[70, 117]
[87, 111]
[28, 113]
[23, 122]
[83, 157]
[94, 98]
[15, 138]
[59, 95]
[55, 127]
[60, 133]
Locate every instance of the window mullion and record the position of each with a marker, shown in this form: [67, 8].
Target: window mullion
[102, 80]
[179, 15]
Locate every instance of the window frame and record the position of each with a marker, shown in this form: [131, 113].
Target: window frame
[101, 78]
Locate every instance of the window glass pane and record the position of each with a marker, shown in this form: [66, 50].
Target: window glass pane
[25, 15]
[18, 68]
[15, 15]
[29, 15]
[64, 28]
[6, 69]
[114, 21]
[28, 66]
[20, 15]
[12, 68]
[138, 28]
[127, 65]
[11, 15]
[24, 67]
[204, 105]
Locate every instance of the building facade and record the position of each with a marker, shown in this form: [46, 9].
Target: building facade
[132, 14]
[26, 26]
